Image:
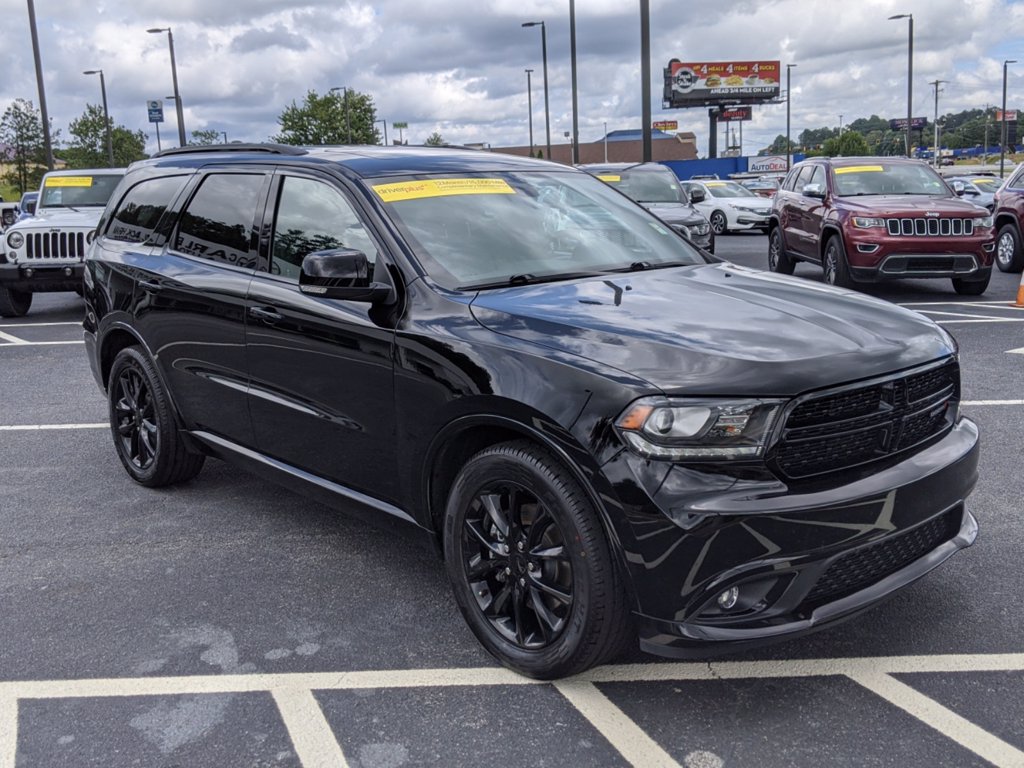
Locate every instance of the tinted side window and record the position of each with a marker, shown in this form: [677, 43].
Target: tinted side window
[313, 216]
[790, 182]
[217, 224]
[818, 176]
[140, 209]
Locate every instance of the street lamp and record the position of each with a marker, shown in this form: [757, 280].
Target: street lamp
[910, 71]
[606, 141]
[529, 106]
[544, 55]
[385, 122]
[47, 143]
[348, 123]
[225, 135]
[935, 154]
[572, 67]
[174, 80]
[789, 98]
[1003, 135]
[106, 115]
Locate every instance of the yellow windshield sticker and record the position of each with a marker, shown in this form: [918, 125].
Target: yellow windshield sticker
[69, 181]
[413, 190]
[715, 183]
[859, 169]
[609, 177]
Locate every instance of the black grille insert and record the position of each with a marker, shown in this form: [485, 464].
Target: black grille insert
[856, 570]
[845, 429]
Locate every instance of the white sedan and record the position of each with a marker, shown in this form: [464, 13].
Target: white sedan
[728, 206]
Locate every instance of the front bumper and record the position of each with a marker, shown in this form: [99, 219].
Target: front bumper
[886, 258]
[39, 278]
[801, 559]
[746, 220]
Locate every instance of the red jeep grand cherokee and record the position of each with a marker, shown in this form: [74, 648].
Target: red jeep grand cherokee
[866, 219]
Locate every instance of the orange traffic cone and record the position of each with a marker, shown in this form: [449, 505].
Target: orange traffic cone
[1020, 291]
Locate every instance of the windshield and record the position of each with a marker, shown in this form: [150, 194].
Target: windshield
[882, 178]
[78, 191]
[727, 189]
[651, 187]
[476, 231]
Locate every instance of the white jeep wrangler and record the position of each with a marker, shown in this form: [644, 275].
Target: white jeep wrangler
[46, 252]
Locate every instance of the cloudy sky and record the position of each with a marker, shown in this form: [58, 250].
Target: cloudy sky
[457, 66]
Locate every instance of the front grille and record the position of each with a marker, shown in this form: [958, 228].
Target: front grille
[930, 227]
[54, 245]
[859, 569]
[840, 430]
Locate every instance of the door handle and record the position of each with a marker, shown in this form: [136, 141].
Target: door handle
[265, 315]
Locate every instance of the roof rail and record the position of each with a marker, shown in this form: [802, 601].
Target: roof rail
[270, 149]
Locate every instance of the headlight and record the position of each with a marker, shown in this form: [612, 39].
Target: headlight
[698, 430]
[864, 222]
[15, 240]
[986, 222]
[700, 229]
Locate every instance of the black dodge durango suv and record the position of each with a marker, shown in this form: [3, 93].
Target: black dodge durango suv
[610, 434]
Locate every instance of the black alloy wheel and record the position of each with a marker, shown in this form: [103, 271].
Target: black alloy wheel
[778, 260]
[837, 272]
[1009, 253]
[719, 224]
[143, 426]
[530, 564]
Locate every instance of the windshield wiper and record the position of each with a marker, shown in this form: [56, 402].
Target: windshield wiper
[527, 278]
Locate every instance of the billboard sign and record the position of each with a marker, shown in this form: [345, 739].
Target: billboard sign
[707, 83]
[665, 125]
[400, 126]
[732, 114]
[1011, 116]
[769, 164]
[900, 124]
[155, 110]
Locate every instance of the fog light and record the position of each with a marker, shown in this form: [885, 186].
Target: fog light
[28, 272]
[728, 599]
[68, 271]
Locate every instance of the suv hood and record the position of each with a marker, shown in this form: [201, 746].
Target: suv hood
[675, 212]
[908, 204]
[717, 329]
[62, 217]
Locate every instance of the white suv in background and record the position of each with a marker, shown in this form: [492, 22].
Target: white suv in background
[728, 206]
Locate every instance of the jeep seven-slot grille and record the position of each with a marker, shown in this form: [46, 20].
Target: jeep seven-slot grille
[54, 245]
[930, 227]
[865, 566]
[845, 429]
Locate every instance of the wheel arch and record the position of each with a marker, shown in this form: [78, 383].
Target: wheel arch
[827, 233]
[1004, 218]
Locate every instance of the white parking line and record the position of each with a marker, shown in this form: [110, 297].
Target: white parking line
[36, 427]
[991, 402]
[1015, 351]
[11, 339]
[38, 325]
[1003, 304]
[316, 743]
[13, 342]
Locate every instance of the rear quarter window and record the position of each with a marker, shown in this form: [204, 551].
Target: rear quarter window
[136, 217]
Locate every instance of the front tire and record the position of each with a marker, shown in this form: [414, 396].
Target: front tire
[1009, 253]
[837, 271]
[530, 565]
[971, 287]
[14, 303]
[143, 426]
[778, 260]
[719, 224]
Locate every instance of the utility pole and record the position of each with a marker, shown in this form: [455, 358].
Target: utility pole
[935, 154]
[985, 151]
[645, 78]
[47, 144]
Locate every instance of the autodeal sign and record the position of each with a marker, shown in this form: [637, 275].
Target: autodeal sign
[769, 164]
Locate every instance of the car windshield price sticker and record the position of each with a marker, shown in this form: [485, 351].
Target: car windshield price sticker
[859, 169]
[603, 177]
[69, 181]
[413, 190]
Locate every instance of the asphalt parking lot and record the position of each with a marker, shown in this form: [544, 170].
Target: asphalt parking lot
[227, 622]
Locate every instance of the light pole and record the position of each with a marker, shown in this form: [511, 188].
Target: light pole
[789, 98]
[348, 123]
[529, 106]
[174, 80]
[840, 124]
[910, 72]
[106, 115]
[1003, 136]
[606, 141]
[225, 135]
[645, 78]
[385, 122]
[47, 145]
[572, 67]
[544, 56]
[935, 155]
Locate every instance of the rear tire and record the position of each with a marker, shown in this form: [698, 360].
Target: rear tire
[837, 270]
[778, 260]
[143, 426]
[1009, 253]
[530, 564]
[14, 303]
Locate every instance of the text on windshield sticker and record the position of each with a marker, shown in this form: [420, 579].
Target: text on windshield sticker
[69, 181]
[413, 190]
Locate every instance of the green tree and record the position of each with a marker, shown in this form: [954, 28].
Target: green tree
[204, 138]
[21, 129]
[88, 145]
[435, 140]
[329, 119]
[849, 144]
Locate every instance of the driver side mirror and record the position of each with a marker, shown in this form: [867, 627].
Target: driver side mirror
[341, 273]
[814, 190]
[697, 195]
[959, 188]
